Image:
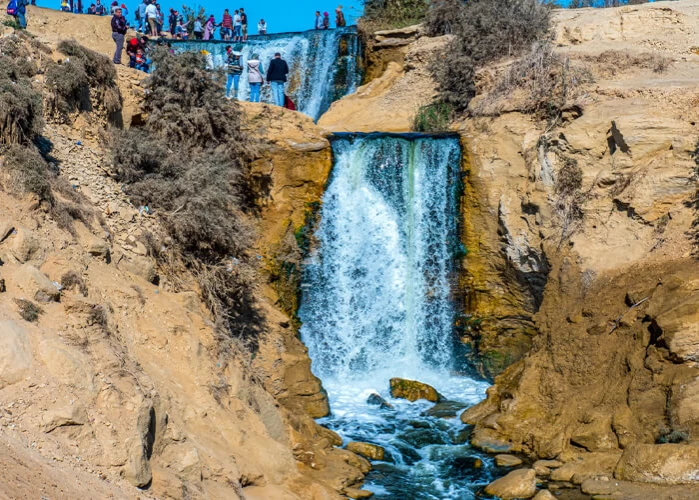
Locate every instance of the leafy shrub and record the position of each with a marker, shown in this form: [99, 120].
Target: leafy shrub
[443, 17]
[432, 118]
[190, 163]
[392, 14]
[486, 31]
[85, 81]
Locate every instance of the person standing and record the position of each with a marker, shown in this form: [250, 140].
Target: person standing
[21, 13]
[152, 19]
[326, 21]
[237, 27]
[244, 24]
[209, 28]
[255, 78]
[172, 19]
[234, 69]
[340, 17]
[319, 21]
[141, 15]
[118, 32]
[198, 29]
[100, 10]
[276, 76]
[262, 27]
[226, 26]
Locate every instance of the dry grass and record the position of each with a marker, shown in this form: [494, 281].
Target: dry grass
[392, 14]
[610, 63]
[72, 280]
[28, 310]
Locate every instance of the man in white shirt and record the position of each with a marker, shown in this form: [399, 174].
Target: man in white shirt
[152, 18]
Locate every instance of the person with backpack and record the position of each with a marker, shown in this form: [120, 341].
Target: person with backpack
[276, 77]
[234, 70]
[118, 33]
[255, 78]
[18, 10]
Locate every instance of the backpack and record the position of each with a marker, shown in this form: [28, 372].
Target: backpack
[12, 8]
[289, 104]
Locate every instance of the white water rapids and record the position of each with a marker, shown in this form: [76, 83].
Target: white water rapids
[377, 303]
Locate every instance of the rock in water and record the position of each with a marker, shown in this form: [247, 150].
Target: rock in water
[375, 399]
[517, 484]
[368, 450]
[413, 390]
[357, 493]
[445, 409]
[507, 461]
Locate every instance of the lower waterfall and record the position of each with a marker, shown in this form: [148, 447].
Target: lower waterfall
[377, 303]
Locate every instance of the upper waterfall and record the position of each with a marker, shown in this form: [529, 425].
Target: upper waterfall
[323, 64]
[377, 292]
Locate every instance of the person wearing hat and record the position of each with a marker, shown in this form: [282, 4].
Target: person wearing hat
[340, 17]
[276, 77]
[326, 21]
[234, 70]
[255, 77]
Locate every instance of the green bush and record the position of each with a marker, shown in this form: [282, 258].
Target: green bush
[190, 164]
[433, 118]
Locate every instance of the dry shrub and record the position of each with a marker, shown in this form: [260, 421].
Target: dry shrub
[98, 317]
[85, 81]
[486, 31]
[28, 310]
[25, 171]
[569, 197]
[392, 14]
[190, 164]
[542, 82]
[612, 62]
[72, 280]
[443, 17]
[20, 105]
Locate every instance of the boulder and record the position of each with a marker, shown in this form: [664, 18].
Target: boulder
[358, 493]
[61, 417]
[490, 441]
[543, 467]
[517, 484]
[544, 495]
[659, 463]
[586, 466]
[445, 409]
[367, 450]
[24, 245]
[36, 284]
[377, 400]
[596, 434]
[503, 460]
[15, 353]
[413, 390]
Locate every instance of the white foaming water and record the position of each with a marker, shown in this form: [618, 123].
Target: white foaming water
[377, 303]
[322, 64]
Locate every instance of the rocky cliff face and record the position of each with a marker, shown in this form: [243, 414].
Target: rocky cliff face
[566, 292]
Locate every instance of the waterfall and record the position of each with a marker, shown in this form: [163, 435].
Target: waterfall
[323, 65]
[377, 295]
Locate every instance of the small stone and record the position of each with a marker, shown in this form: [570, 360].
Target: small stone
[445, 409]
[477, 463]
[368, 450]
[507, 461]
[517, 484]
[377, 400]
[413, 390]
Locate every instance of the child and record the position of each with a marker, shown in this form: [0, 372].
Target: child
[141, 63]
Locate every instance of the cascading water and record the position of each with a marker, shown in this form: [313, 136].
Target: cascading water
[323, 64]
[377, 303]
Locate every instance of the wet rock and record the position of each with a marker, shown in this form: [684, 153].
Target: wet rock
[413, 390]
[659, 463]
[445, 409]
[544, 495]
[357, 493]
[377, 400]
[517, 484]
[507, 461]
[367, 450]
[489, 441]
[15, 353]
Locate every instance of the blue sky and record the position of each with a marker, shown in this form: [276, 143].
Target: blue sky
[280, 15]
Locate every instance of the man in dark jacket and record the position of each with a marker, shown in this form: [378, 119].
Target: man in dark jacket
[276, 77]
[118, 32]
